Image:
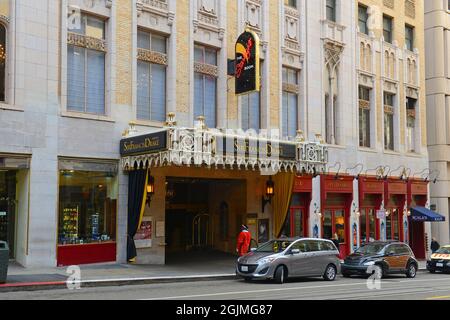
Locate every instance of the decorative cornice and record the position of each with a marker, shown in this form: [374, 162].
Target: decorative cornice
[293, 12]
[292, 44]
[152, 56]
[86, 42]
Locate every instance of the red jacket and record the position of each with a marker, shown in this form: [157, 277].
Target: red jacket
[243, 243]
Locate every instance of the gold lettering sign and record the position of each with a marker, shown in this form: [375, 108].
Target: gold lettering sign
[149, 143]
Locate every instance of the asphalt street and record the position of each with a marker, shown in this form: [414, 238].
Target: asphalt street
[425, 287]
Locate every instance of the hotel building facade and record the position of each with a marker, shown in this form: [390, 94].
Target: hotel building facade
[343, 82]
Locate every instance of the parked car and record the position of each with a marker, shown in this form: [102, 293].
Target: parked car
[291, 257]
[383, 258]
[440, 260]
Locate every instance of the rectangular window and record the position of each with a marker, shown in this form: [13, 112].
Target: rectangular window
[387, 28]
[291, 3]
[362, 19]
[86, 67]
[364, 117]
[331, 10]
[410, 124]
[87, 204]
[205, 84]
[290, 103]
[251, 111]
[409, 37]
[388, 121]
[151, 77]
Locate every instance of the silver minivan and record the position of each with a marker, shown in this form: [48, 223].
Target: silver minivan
[291, 257]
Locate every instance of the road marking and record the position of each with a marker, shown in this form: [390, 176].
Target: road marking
[438, 298]
[281, 289]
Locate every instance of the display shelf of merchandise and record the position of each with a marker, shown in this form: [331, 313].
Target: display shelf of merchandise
[70, 222]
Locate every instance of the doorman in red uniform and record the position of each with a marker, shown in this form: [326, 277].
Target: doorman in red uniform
[243, 242]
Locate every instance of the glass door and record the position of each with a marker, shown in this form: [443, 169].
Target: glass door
[8, 208]
[333, 224]
[392, 225]
[297, 222]
[367, 225]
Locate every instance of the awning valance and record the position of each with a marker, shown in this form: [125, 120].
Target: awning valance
[425, 215]
[175, 146]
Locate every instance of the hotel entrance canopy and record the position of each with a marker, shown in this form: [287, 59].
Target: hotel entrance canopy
[200, 146]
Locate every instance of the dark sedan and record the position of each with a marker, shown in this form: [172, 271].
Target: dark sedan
[382, 258]
[440, 260]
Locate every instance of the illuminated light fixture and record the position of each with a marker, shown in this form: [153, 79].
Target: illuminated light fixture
[270, 192]
[150, 189]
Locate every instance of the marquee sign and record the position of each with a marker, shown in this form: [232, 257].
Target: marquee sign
[255, 148]
[247, 63]
[153, 142]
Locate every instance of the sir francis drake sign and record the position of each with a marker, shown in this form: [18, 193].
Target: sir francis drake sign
[247, 63]
[153, 142]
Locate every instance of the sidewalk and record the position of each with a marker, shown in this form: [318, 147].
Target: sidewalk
[213, 268]
[193, 268]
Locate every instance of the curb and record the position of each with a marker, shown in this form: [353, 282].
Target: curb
[37, 286]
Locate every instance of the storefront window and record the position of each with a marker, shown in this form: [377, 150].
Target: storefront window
[87, 206]
[363, 226]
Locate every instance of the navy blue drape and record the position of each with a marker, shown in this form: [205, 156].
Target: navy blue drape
[136, 188]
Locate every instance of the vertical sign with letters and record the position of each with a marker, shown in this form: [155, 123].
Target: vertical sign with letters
[247, 63]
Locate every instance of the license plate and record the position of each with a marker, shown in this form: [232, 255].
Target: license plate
[244, 269]
[439, 265]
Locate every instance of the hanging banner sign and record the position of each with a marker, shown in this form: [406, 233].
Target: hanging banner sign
[247, 63]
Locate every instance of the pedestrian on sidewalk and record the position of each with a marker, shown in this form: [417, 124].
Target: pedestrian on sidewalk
[336, 240]
[243, 242]
[434, 245]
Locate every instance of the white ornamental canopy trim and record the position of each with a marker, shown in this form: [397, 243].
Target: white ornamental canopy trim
[200, 146]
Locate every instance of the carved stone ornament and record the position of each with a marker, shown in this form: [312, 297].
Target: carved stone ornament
[86, 42]
[389, 3]
[206, 69]
[364, 104]
[292, 88]
[388, 109]
[410, 8]
[152, 56]
[208, 6]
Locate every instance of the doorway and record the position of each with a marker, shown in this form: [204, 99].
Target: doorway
[200, 218]
[8, 209]
[393, 224]
[368, 225]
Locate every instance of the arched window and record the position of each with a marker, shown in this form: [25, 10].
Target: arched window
[386, 64]
[2, 63]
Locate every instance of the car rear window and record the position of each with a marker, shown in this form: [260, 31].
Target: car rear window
[399, 249]
[327, 246]
[313, 245]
